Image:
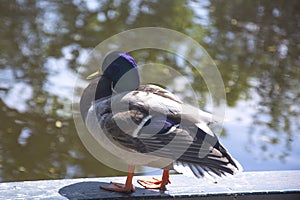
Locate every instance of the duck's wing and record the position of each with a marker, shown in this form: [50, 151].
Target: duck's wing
[196, 150]
[153, 121]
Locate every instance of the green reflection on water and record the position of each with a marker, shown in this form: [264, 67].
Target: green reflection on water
[254, 43]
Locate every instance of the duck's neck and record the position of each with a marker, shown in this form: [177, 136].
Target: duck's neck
[103, 88]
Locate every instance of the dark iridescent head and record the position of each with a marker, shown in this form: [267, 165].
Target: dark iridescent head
[120, 73]
[117, 64]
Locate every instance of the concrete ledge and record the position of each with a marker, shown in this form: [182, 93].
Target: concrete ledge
[248, 185]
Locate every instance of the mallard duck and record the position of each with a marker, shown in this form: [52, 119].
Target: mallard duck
[153, 123]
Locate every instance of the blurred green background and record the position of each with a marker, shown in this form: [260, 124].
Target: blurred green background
[43, 43]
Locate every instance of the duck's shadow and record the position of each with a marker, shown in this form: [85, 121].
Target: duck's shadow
[92, 190]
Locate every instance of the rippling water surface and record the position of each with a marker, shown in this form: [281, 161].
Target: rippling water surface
[43, 44]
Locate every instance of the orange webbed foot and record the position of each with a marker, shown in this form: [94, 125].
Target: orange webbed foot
[119, 187]
[154, 184]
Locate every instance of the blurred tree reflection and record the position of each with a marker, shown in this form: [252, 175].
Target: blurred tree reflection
[40, 142]
[258, 43]
[255, 45]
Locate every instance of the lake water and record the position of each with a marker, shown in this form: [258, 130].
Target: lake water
[254, 44]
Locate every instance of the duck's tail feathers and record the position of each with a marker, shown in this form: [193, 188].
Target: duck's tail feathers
[210, 166]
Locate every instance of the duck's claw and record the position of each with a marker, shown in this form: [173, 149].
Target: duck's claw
[119, 187]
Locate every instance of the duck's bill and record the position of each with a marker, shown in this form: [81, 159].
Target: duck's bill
[93, 75]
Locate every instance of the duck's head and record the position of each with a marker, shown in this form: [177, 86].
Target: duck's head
[120, 74]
